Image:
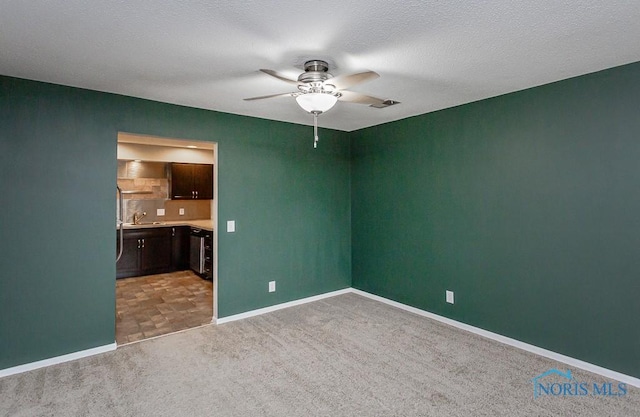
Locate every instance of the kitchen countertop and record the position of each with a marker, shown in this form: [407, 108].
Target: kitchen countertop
[202, 224]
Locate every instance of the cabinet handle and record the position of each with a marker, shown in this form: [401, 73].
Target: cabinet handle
[138, 243]
[143, 243]
[196, 194]
[173, 231]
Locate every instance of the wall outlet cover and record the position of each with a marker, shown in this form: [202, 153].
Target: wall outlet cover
[449, 296]
[272, 286]
[231, 226]
[181, 211]
[160, 212]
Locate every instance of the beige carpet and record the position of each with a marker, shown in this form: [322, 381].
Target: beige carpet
[343, 356]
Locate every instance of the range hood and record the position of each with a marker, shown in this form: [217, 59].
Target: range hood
[136, 192]
[141, 169]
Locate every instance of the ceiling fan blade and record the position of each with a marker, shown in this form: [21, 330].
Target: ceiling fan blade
[345, 81]
[280, 76]
[270, 96]
[351, 97]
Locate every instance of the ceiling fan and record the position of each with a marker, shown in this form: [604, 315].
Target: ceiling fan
[318, 90]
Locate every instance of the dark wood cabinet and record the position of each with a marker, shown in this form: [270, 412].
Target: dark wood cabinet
[191, 181]
[156, 251]
[129, 263]
[182, 181]
[208, 255]
[153, 251]
[180, 247]
[203, 181]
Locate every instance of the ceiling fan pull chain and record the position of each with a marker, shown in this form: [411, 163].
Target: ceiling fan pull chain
[315, 130]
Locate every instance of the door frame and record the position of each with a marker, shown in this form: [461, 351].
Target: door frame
[145, 139]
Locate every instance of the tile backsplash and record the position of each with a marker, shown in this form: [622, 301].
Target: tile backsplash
[193, 209]
[152, 194]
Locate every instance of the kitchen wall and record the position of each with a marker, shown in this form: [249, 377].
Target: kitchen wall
[527, 206]
[146, 152]
[58, 170]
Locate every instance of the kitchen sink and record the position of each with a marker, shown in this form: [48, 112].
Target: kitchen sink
[145, 223]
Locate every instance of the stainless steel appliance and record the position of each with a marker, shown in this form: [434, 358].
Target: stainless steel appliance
[196, 250]
[201, 252]
[120, 223]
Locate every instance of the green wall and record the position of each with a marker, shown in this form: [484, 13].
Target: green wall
[291, 205]
[527, 206]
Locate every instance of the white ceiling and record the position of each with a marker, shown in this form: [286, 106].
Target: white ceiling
[430, 54]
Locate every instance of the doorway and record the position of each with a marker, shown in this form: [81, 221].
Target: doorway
[164, 282]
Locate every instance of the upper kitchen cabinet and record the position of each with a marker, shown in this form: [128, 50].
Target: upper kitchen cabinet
[191, 181]
[203, 181]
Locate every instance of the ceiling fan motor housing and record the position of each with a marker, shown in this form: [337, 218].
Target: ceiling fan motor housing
[316, 65]
[314, 76]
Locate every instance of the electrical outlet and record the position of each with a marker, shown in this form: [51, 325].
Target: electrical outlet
[272, 286]
[449, 296]
[160, 212]
[231, 227]
[181, 211]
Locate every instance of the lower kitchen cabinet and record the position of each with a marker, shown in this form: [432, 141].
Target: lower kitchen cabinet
[208, 256]
[153, 251]
[156, 251]
[129, 263]
[180, 247]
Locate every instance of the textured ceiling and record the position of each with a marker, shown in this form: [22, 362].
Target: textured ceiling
[429, 54]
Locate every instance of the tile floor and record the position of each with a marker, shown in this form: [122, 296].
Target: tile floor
[154, 305]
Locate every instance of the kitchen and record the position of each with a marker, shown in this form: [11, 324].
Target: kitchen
[165, 241]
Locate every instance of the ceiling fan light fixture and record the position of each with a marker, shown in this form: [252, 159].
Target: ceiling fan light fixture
[318, 90]
[316, 102]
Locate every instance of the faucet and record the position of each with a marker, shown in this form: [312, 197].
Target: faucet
[137, 217]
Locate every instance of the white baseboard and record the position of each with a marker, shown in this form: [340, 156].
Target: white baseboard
[106, 348]
[276, 307]
[577, 363]
[56, 360]
[630, 380]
